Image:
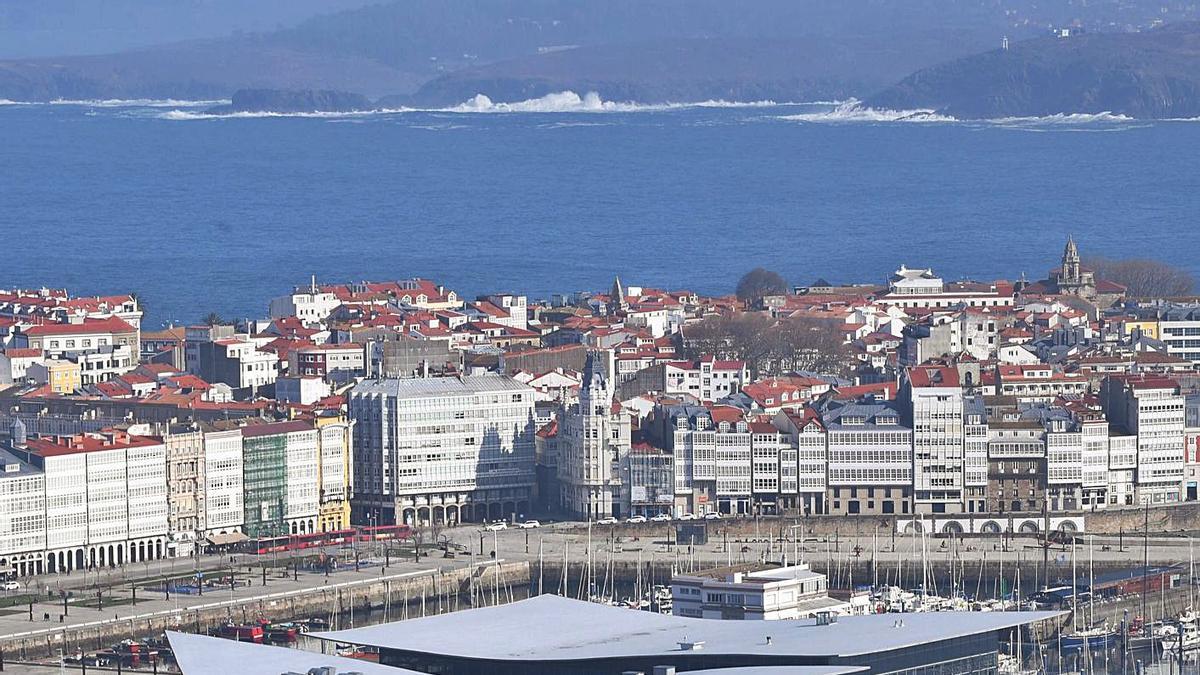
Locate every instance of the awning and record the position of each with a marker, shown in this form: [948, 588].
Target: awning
[226, 539]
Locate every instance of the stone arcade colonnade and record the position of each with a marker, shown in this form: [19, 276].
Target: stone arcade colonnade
[462, 512]
[91, 556]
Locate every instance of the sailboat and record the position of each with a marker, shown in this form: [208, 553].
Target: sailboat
[1094, 637]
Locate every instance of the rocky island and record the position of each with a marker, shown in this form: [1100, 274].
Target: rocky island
[294, 101]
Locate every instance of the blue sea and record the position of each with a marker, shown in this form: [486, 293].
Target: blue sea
[198, 213]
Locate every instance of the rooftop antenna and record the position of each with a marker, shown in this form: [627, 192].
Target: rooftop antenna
[314, 279]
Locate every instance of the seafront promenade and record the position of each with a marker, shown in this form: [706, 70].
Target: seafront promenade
[462, 570]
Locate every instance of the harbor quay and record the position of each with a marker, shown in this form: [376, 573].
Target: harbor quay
[372, 593]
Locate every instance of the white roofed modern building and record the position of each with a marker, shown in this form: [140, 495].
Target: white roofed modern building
[548, 634]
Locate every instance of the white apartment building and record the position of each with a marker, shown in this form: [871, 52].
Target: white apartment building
[101, 364]
[22, 512]
[1151, 408]
[803, 463]
[516, 308]
[922, 289]
[975, 454]
[1122, 469]
[15, 363]
[794, 592]
[303, 485]
[870, 459]
[310, 305]
[335, 471]
[106, 501]
[1179, 327]
[224, 510]
[934, 397]
[445, 449]
[707, 379]
[1038, 383]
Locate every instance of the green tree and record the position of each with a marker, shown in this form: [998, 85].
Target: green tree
[759, 283]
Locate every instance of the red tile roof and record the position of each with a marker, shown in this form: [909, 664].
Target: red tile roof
[934, 376]
[110, 325]
[69, 445]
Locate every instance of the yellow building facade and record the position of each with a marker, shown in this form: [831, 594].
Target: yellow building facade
[336, 471]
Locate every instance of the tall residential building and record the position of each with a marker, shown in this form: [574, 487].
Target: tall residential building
[185, 486]
[22, 510]
[106, 501]
[869, 457]
[1151, 408]
[593, 445]
[224, 480]
[335, 471]
[802, 463]
[932, 400]
[444, 449]
[975, 454]
[280, 478]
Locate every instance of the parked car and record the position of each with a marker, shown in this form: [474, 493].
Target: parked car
[12, 586]
[529, 525]
[496, 527]
[661, 518]
[634, 520]
[688, 516]
[712, 516]
[607, 521]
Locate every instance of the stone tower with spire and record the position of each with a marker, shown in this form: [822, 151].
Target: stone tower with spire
[617, 302]
[1072, 278]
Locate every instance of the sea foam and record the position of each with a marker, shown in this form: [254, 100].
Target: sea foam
[853, 111]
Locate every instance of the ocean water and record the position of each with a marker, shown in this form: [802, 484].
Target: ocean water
[197, 213]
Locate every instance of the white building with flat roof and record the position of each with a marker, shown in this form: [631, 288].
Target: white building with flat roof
[224, 510]
[443, 449]
[793, 592]
[22, 513]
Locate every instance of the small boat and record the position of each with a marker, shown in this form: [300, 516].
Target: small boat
[1101, 637]
[242, 632]
[283, 632]
[1190, 640]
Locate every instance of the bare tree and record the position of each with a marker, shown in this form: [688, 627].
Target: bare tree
[758, 283]
[769, 346]
[1144, 278]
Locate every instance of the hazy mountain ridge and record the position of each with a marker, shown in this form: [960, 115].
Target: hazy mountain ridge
[1153, 75]
[441, 52]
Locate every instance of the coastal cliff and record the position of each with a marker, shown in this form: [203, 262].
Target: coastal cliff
[1152, 75]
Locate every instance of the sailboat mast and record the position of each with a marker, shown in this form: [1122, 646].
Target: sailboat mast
[1074, 590]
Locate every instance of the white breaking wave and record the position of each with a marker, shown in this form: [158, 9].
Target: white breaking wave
[854, 111]
[182, 115]
[590, 102]
[1066, 119]
[558, 102]
[139, 103]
